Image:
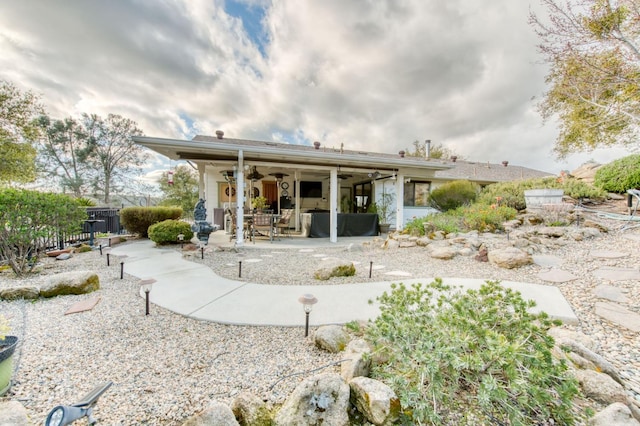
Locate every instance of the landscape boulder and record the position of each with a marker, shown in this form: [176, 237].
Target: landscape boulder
[77, 282]
[600, 387]
[615, 414]
[319, 400]
[442, 252]
[250, 410]
[509, 257]
[217, 414]
[335, 268]
[356, 360]
[12, 413]
[21, 292]
[375, 400]
[331, 338]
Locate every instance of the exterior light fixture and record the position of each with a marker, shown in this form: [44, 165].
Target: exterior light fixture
[107, 250]
[67, 414]
[240, 256]
[181, 240]
[307, 300]
[122, 265]
[146, 285]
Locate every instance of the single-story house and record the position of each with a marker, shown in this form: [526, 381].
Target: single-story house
[317, 178]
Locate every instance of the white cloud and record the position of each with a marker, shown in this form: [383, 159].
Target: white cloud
[372, 75]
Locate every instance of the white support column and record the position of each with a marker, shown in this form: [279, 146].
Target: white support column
[240, 200]
[333, 206]
[399, 202]
[296, 185]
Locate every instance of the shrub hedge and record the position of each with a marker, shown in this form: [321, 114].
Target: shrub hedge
[137, 220]
[619, 175]
[166, 232]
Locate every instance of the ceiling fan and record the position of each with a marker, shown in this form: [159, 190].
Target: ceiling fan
[254, 175]
[342, 176]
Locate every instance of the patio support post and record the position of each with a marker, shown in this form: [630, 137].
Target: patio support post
[240, 200]
[296, 184]
[333, 206]
[201, 171]
[399, 202]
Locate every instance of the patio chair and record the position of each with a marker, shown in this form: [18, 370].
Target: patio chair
[282, 226]
[247, 232]
[263, 225]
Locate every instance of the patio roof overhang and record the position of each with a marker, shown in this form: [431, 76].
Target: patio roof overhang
[225, 151]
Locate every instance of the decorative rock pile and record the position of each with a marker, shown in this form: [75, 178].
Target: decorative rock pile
[353, 398]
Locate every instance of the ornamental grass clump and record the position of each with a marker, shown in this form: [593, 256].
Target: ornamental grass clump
[472, 357]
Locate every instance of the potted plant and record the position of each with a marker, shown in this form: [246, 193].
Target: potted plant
[259, 203]
[385, 209]
[7, 348]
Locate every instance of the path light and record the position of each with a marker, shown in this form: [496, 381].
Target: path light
[122, 265]
[307, 300]
[107, 250]
[181, 240]
[100, 247]
[240, 256]
[370, 267]
[202, 250]
[146, 285]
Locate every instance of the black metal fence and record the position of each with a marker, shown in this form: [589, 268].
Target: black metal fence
[106, 220]
[101, 219]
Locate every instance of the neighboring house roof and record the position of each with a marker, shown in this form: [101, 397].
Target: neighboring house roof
[488, 172]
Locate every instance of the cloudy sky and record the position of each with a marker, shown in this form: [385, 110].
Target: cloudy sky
[372, 74]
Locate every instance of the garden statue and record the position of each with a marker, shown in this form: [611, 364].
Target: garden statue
[201, 226]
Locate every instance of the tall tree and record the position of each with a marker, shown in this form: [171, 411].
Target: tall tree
[18, 109]
[436, 151]
[183, 192]
[115, 157]
[593, 48]
[63, 153]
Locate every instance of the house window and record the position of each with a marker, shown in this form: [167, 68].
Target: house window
[416, 193]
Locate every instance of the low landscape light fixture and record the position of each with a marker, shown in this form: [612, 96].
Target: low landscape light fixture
[181, 240]
[146, 285]
[100, 247]
[107, 250]
[122, 265]
[240, 256]
[370, 267]
[202, 251]
[307, 300]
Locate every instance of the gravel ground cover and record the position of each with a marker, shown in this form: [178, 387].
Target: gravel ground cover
[166, 367]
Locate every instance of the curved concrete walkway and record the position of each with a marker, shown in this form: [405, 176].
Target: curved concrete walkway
[194, 290]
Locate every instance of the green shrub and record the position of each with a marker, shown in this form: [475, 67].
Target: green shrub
[619, 175]
[85, 202]
[483, 218]
[452, 195]
[137, 220]
[511, 194]
[474, 357]
[166, 232]
[28, 219]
